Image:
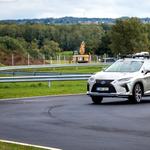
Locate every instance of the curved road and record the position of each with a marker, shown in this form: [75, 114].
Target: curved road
[73, 122]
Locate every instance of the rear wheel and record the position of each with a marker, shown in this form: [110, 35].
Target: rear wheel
[97, 99]
[137, 94]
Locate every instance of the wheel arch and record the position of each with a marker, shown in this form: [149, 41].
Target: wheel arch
[139, 82]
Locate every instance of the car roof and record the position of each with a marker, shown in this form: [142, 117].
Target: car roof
[133, 59]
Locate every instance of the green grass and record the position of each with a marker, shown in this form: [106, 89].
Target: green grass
[8, 146]
[29, 89]
[81, 69]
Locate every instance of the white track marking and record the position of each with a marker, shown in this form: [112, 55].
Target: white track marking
[25, 144]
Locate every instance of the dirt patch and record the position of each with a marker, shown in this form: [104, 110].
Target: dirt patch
[19, 60]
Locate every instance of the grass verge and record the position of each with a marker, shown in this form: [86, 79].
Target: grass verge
[29, 89]
[8, 146]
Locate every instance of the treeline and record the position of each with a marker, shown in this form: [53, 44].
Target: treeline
[71, 20]
[125, 36]
[63, 20]
[37, 38]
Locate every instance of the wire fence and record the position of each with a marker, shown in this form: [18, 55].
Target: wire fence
[58, 59]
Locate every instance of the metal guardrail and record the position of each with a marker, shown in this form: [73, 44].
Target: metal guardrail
[53, 66]
[39, 76]
[44, 78]
[13, 73]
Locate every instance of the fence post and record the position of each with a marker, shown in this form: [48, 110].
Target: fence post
[12, 60]
[64, 59]
[51, 60]
[43, 59]
[90, 58]
[28, 59]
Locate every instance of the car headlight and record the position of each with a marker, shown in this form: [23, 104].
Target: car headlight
[124, 79]
[92, 79]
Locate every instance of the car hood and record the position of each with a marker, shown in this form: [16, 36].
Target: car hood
[114, 75]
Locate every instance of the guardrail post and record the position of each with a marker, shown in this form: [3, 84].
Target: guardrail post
[33, 69]
[17, 70]
[13, 74]
[76, 67]
[48, 83]
[53, 68]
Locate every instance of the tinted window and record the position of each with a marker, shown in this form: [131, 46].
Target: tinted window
[110, 60]
[125, 66]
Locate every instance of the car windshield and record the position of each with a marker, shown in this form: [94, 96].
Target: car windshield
[125, 66]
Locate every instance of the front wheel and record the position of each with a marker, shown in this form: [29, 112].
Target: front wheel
[97, 99]
[137, 93]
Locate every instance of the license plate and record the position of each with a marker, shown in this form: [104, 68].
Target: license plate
[102, 89]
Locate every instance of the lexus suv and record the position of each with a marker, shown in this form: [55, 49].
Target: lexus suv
[126, 78]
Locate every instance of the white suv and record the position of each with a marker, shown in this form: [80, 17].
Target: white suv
[126, 78]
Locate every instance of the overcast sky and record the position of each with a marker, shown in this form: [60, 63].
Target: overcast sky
[29, 9]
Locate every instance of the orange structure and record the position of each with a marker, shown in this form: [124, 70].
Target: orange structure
[80, 56]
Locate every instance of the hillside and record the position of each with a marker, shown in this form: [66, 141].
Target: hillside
[18, 60]
[71, 20]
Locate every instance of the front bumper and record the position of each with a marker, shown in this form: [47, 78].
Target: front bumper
[115, 90]
[123, 95]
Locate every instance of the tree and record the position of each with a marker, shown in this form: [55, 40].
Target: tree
[11, 44]
[33, 49]
[91, 46]
[106, 27]
[103, 46]
[128, 36]
[50, 48]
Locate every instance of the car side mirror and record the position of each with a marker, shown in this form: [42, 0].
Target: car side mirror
[147, 70]
[104, 69]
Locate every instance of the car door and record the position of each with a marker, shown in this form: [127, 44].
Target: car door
[146, 79]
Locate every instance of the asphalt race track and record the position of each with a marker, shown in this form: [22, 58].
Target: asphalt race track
[74, 123]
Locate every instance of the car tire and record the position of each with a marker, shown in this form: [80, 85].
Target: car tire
[137, 93]
[97, 99]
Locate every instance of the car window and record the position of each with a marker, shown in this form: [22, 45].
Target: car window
[110, 60]
[147, 64]
[125, 66]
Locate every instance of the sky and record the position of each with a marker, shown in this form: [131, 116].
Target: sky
[31, 9]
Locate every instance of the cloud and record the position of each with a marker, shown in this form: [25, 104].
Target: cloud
[28, 9]
[7, 0]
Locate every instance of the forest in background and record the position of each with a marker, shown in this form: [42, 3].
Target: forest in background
[38, 39]
[125, 36]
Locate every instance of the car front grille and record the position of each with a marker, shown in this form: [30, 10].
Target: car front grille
[104, 83]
